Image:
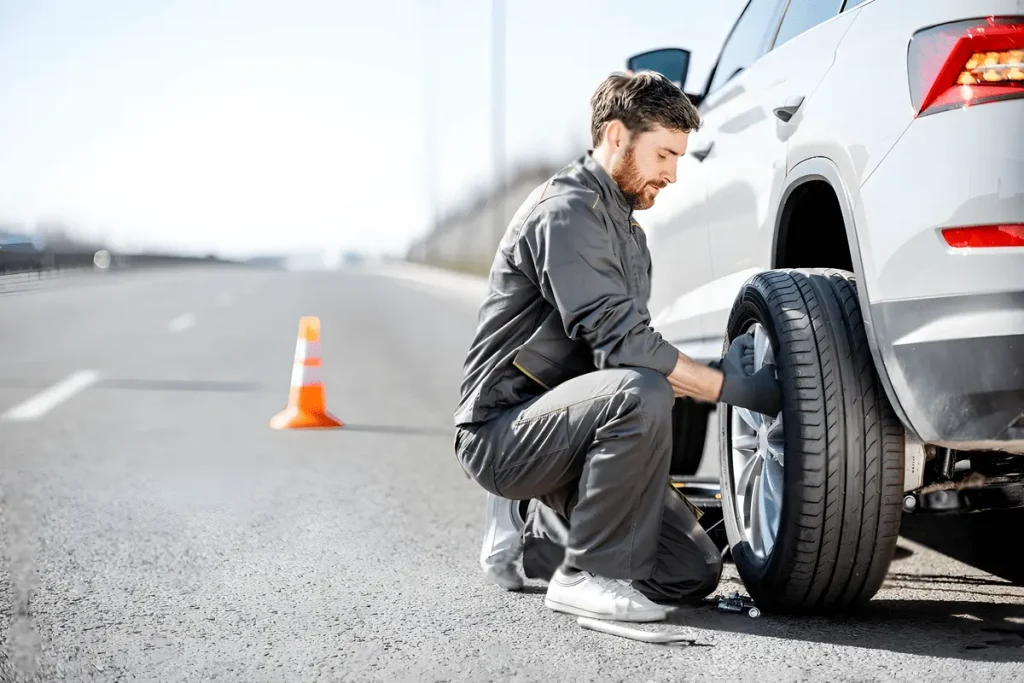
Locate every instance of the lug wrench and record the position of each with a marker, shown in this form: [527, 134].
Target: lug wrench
[633, 633]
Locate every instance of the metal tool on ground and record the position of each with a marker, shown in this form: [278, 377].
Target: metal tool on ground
[738, 603]
[307, 407]
[658, 637]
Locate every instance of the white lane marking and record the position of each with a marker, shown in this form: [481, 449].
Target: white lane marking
[182, 323]
[50, 398]
[226, 299]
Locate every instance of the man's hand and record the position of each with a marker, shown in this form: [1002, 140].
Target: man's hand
[691, 379]
[740, 356]
[758, 391]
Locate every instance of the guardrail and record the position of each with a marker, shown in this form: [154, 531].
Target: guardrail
[20, 271]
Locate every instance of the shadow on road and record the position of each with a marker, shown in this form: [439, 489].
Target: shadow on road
[974, 631]
[396, 430]
[986, 540]
[989, 629]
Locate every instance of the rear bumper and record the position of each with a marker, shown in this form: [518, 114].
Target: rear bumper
[949, 323]
[956, 364]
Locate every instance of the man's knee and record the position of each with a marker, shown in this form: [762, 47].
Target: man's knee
[708, 578]
[652, 392]
[700, 580]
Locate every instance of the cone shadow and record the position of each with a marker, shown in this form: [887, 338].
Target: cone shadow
[399, 430]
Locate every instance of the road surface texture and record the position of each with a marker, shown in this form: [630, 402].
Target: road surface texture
[154, 528]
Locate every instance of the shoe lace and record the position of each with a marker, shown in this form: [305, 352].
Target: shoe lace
[618, 587]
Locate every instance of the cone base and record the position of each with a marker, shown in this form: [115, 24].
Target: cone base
[293, 418]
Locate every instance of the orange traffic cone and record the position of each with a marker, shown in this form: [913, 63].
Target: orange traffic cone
[307, 408]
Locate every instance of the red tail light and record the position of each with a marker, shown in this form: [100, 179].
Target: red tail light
[985, 236]
[966, 63]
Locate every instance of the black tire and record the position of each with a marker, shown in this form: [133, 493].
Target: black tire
[689, 432]
[843, 474]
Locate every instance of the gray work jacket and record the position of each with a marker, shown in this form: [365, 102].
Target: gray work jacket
[568, 293]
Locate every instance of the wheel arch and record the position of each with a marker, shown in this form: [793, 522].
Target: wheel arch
[823, 169]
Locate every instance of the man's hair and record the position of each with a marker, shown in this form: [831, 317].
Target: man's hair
[641, 101]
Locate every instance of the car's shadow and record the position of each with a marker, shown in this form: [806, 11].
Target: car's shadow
[975, 631]
[989, 627]
[983, 539]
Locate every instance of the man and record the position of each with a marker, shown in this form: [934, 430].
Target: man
[568, 392]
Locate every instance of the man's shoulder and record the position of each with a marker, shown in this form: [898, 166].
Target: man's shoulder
[564, 186]
[568, 193]
[563, 197]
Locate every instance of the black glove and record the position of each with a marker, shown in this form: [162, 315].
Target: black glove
[739, 359]
[759, 392]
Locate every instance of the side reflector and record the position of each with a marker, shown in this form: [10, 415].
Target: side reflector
[985, 236]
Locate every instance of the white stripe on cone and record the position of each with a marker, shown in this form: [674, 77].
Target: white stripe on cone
[304, 350]
[304, 375]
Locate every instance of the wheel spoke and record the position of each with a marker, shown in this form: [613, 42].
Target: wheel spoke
[773, 473]
[753, 503]
[776, 441]
[761, 347]
[750, 467]
[746, 443]
[766, 513]
[750, 418]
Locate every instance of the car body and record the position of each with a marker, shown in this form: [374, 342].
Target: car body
[854, 199]
[860, 178]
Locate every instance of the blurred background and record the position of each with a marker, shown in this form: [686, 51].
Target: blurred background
[318, 131]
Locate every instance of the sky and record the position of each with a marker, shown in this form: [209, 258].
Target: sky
[248, 126]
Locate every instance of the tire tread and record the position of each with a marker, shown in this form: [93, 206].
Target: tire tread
[843, 519]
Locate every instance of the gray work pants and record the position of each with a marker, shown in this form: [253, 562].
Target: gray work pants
[596, 450]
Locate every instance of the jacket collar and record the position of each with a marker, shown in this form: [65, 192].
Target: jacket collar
[609, 191]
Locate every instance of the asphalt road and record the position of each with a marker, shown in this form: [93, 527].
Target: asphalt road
[155, 528]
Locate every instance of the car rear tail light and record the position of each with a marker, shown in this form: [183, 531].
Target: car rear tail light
[966, 63]
[985, 236]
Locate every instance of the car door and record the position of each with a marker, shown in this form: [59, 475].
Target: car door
[677, 236]
[677, 225]
[698, 296]
[756, 112]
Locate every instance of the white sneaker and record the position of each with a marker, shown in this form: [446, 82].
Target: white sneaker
[587, 595]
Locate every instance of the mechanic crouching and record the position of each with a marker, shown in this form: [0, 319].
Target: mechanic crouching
[568, 391]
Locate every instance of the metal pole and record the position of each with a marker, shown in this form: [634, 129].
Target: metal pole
[430, 110]
[498, 108]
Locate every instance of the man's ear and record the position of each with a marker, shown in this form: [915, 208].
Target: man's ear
[616, 135]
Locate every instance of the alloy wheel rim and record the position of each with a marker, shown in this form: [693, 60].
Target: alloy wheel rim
[757, 452]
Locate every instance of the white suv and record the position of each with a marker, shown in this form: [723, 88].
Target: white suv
[855, 198]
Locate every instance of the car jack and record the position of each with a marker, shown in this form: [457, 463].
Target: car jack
[738, 603]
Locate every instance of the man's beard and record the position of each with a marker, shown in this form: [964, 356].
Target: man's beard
[637, 190]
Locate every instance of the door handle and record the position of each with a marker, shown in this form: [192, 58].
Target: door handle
[702, 152]
[785, 113]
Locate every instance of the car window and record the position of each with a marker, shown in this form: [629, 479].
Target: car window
[850, 4]
[803, 15]
[749, 40]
